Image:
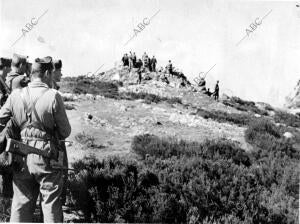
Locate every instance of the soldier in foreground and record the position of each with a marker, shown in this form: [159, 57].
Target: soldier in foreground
[40, 114]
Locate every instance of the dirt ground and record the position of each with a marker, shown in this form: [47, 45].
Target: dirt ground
[114, 123]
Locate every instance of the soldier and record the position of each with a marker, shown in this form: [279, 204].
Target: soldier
[144, 56]
[16, 79]
[5, 67]
[139, 66]
[170, 68]
[5, 64]
[130, 60]
[40, 114]
[216, 93]
[146, 63]
[149, 63]
[123, 60]
[56, 75]
[153, 64]
[134, 60]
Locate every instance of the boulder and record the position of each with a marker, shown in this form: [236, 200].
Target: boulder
[288, 135]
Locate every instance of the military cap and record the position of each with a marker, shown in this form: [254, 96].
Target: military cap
[18, 59]
[57, 64]
[42, 64]
[5, 62]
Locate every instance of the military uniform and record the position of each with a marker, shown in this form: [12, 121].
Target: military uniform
[37, 175]
[16, 79]
[153, 64]
[57, 64]
[216, 93]
[4, 69]
[170, 68]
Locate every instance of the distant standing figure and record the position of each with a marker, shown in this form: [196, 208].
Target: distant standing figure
[149, 64]
[139, 66]
[153, 64]
[144, 56]
[216, 93]
[125, 60]
[130, 60]
[146, 63]
[170, 68]
[134, 60]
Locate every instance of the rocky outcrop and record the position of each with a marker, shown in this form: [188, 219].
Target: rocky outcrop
[127, 77]
[293, 100]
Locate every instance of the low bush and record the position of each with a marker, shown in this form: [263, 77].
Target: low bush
[188, 182]
[267, 138]
[148, 97]
[84, 85]
[150, 145]
[244, 105]
[87, 140]
[241, 119]
[287, 119]
[113, 190]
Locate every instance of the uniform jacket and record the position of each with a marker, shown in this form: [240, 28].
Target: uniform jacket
[50, 109]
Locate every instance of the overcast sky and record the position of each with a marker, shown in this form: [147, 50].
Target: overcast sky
[194, 34]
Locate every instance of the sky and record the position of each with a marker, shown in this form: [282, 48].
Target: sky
[258, 63]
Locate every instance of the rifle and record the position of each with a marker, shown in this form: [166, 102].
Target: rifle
[19, 148]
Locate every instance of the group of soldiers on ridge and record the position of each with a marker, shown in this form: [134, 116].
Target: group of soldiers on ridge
[33, 113]
[147, 64]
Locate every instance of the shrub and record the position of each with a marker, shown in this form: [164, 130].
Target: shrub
[113, 190]
[223, 117]
[87, 140]
[150, 145]
[179, 182]
[267, 138]
[84, 85]
[287, 119]
[148, 97]
[244, 105]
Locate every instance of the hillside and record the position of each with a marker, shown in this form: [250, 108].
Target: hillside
[116, 118]
[227, 160]
[165, 152]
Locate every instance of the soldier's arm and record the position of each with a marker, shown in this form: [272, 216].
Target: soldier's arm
[5, 113]
[63, 126]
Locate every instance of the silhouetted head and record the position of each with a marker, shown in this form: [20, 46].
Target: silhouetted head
[57, 64]
[42, 69]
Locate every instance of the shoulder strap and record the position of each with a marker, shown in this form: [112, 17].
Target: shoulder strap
[31, 108]
[10, 82]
